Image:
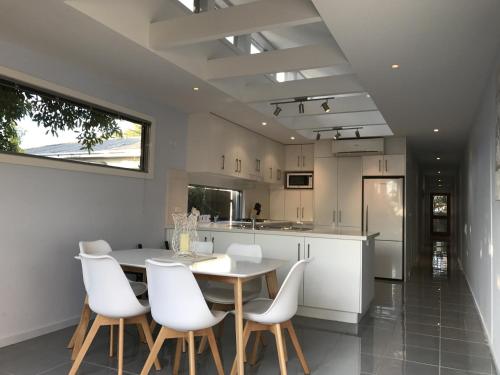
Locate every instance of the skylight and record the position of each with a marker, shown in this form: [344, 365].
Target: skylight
[188, 4]
[230, 39]
[254, 49]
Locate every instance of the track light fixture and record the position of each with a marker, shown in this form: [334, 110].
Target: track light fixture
[277, 111]
[301, 100]
[337, 130]
[337, 135]
[301, 107]
[325, 106]
[318, 136]
[357, 134]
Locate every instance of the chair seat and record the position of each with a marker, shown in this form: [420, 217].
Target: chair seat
[225, 296]
[255, 309]
[138, 287]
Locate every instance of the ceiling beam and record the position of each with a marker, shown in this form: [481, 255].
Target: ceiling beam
[333, 85]
[236, 20]
[284, 60]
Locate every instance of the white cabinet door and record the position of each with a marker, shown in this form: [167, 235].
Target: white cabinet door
[325, 191]
[292, 205]
[323, 149]
[293, 157]
[373, 165]
[204, 235]
[222, 240]
[306, 205]
[307, 162]
[277, 204]
[394, 165]
[349, 192]
[389, 259]
[289, 248]
[332, 279]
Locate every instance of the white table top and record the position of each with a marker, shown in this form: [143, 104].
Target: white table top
[222, 265]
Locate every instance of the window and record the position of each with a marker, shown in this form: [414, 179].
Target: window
[225, 204]
[254, 48]
[40, 124]
[230, 39]
[190, 4]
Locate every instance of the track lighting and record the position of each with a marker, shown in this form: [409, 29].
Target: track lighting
[277, 111]
[318, 136]
[301, 108]
[337, 135]
[325, 106]
[357, 134]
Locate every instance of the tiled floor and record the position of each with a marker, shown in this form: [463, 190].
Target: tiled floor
[426, 326]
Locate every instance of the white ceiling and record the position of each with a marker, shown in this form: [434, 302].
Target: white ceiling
[446, 50]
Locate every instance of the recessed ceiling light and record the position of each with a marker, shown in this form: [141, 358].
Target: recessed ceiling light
[292, 138]
[264, 123]
[368, 95]
[196, 89]
[395, 66]
[436, 130]
[438, 158]
[439, 172]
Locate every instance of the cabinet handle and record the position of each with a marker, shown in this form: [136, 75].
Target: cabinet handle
[223, 157]
[271, 172]
[236, 170]
[297, 212]
[298, 251]
[205, 238]
[279, 175]
[386, 165]
[379, 165]
[239, 163]
[340, 216]
[308, 250]
[366, 220]
[213, 240]
[298, 160]
[303, 160]
[334, 216]
[302, 212]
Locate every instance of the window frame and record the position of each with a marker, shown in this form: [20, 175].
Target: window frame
[147, 139]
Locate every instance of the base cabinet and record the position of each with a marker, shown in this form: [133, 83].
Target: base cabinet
[289, 248]
[331, 280]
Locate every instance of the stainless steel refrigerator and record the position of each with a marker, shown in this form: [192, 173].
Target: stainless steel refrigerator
[383, 212]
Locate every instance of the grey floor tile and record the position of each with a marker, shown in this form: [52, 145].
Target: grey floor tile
[464, 335]
[414, 354]
[465, 348]
[449, 371]
[399, 367]
[466, 363]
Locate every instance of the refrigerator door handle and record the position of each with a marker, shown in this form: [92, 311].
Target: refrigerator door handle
[366, 219]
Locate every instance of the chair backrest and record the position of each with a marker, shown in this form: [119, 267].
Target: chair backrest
[284, 306]
[108, 289]
[98, 247]
[254, 251]
[175, 297]
[203, 247]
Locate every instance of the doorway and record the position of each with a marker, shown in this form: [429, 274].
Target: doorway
[440, 214]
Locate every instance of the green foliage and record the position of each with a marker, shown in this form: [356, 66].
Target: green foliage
[92, 126]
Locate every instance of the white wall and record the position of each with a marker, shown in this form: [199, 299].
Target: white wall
[480, 241]
[45, 212]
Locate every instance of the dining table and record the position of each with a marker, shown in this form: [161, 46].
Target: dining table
[230, 269]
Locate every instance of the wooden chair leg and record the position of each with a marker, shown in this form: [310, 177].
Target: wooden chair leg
[284, 343]
[121, 329]
[281, 349]
[177, 359]
[255, 350]
[203, 344]
[152, 326]
[246, 336]
[81, 330]
[215, 351]
[142, 338]
[298, 348]
[111, 343]
[80, 325]
[149, 339]
[153, 354]
[86, 344]
[192, 354]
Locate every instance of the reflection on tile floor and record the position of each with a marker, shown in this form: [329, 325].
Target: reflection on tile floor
[426, 326]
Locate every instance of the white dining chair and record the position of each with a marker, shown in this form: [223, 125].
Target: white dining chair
[98, 247]
[101, 247]
[274, 315]
[221, 296]
[177, 304]
[111, 297]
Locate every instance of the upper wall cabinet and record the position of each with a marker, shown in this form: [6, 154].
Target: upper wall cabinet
[219, 147]
[384, 165]
[299, 157]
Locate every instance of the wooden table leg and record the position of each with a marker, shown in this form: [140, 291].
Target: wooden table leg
[238, 318]
[272, 284]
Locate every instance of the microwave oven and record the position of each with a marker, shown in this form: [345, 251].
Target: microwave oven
[299, 180]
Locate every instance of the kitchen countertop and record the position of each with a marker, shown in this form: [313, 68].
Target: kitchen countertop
[319, 231]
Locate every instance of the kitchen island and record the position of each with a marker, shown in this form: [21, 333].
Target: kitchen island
[338, 284]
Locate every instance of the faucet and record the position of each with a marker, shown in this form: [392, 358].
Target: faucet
[253, 223]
